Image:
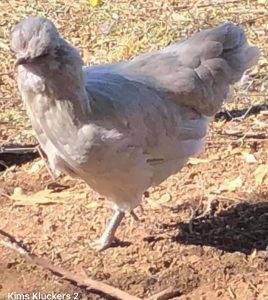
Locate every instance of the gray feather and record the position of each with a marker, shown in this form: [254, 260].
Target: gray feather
[198, 71]
[126, 126]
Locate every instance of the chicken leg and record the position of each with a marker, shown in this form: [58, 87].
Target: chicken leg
[108, 236]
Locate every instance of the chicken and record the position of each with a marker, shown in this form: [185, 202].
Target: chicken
[126, 126]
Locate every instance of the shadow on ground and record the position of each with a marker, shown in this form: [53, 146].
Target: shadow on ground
[10, 159]
[240, 113]
[242, 228]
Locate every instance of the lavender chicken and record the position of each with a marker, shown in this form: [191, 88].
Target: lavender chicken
[126, 126]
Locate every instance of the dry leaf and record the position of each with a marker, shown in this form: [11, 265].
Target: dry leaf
[95, 3]
[219, 124]
[4, 46]
[164, 198]
[155, 205]
[36, 167]
[195, 160]
[235, 151]
[160, 202]
[249, 158]
[233, 131]
[41, 197]
[92, 204]
[18, 191]
[260, 173]
[178, 17]
[231, 185]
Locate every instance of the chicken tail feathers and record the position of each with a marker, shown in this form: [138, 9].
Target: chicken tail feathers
[197, 72]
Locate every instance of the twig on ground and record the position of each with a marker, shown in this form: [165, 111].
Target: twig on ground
[9, 99]
[11, 74]
[230, 198]
[243, 116]
[231, 293]
[45, 162]
[17, 150]
[166, 294]
[191, 219]
[208, 210]
[27, 149]
[94, 286]
[208, 5]
[2, 163]
[258, 136]
[253, 19]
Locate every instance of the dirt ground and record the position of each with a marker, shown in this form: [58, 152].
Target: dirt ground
[204, 231]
